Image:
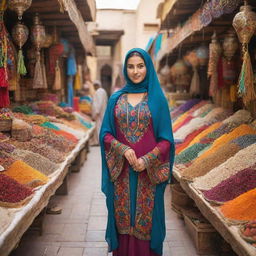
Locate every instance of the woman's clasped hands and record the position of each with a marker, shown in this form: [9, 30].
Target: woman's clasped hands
[137, 164]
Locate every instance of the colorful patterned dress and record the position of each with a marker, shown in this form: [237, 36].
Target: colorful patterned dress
[134, 191]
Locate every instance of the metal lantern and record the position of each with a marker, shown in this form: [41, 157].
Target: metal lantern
[38, 33]
[245, 24]
[20, 34]
[230, 44]
[19, 6]
[202, 53]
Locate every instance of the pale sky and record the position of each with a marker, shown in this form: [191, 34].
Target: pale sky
[117, 4]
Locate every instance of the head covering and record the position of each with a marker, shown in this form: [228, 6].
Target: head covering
[97, 82]
[162, 130]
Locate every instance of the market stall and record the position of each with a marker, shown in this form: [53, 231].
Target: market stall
[210, 58]
[44, 135]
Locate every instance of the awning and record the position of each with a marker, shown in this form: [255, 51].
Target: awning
[166, 8]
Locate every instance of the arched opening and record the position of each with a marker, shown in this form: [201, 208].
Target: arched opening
[106, 78]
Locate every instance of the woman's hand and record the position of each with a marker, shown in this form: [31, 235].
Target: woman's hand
[140, 165]
[131, 157]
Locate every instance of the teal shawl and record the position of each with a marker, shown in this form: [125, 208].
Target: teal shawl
[163, 131]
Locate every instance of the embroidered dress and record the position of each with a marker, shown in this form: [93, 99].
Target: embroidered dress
[135, 200]
[134, 192]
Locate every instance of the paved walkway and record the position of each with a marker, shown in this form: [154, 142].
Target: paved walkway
[79, 230]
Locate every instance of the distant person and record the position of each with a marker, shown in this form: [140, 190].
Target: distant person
[99, 104]
[137, 150]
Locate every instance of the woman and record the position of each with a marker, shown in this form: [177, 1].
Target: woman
[137, 156]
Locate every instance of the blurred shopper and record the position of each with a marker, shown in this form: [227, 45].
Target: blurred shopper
[137, 156]
[99, 104]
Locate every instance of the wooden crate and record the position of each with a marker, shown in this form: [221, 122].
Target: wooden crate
[179, 197]
[203, 235]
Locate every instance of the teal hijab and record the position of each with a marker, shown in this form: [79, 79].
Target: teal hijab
[163, 131]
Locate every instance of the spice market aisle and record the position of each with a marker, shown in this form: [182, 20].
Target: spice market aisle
[79, 230]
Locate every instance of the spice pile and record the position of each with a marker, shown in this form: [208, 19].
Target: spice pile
[12, 193]
[36, 161]
[200, 168]
[25, 174]
[232, 187]
[242, 208]
[245, 158]
[224, 139]
[6, 160]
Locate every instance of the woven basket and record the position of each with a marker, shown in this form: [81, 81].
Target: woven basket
[22, 134]
[5, 125]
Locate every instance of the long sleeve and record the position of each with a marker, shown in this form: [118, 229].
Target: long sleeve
[114, 155]
[157, 162]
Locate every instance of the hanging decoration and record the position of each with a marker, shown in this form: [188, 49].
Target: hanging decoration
[245, 24]
[57, 79]
[202, 53]
[230, 44]
[20, 35]
[19, 6]
[38, 39]
[4, 93]
[214, 55]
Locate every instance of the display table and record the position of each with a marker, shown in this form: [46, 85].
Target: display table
[229, 233]
[23, 217]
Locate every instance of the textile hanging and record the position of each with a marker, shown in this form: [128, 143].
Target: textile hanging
[71, 64]
[70, 91]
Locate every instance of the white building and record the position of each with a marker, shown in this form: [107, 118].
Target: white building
[117, 31]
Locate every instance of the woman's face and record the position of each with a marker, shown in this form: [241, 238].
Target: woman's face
[136, 69]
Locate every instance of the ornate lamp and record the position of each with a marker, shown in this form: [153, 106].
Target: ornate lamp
[20, 35]
[19, 6]
[245, 24]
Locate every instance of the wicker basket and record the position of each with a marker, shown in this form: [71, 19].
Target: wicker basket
[179, 197]
[22, 134]
[5, 125]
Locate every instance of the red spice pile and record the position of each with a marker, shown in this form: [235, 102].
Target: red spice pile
[11, 191]
[234, 186]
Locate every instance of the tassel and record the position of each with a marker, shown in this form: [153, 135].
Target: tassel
[195, 83]
[246, 86]
[38, 81]
[77, 82]
[233, 93]
[44, 75]
[57, 79]
[21, 65]
[4, 97]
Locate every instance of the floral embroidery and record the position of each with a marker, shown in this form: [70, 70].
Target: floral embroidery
[157, 170]
[122, 202]
[138, 118]
[115, 159]
[144, 207]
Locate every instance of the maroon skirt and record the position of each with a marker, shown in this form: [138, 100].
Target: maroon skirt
[131, 246]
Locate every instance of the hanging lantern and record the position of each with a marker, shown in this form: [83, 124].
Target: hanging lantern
[245, 24]
[230, 44]
[202, 53]
[38, 33]
[38, 39]
[20, 35]
[19, 6]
